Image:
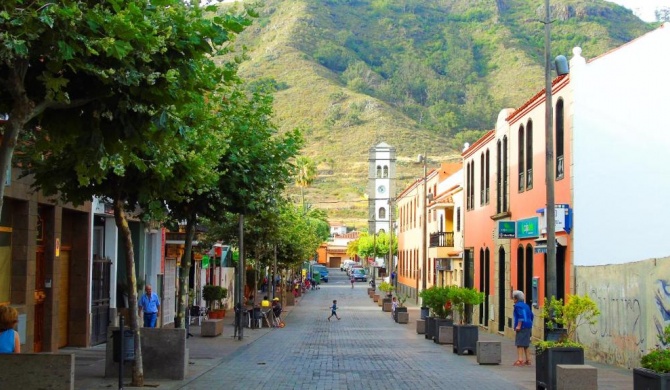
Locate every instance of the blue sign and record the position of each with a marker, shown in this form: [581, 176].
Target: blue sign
[528, 228]
[506, 229]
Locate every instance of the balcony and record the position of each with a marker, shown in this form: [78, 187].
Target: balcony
[442, 240]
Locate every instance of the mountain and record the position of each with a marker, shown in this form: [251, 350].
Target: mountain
[421, 75]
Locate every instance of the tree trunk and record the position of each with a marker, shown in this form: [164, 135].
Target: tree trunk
[184, 272]
[124, 229]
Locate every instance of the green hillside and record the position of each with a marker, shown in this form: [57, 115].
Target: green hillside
[422, 75]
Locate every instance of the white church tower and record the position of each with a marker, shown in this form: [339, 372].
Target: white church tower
[380, 187]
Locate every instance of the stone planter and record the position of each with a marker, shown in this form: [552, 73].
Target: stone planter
[421, 326]
[430, 324]
[375, 298]
[445, 335]
[644, 379]
[465, 339]
[403, 318]
[548, 359]
[489, 352]
[387, 304]
[440, 322]
[398, 310]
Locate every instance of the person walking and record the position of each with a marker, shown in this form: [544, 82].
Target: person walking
[333, 310]
[9, 338]
[523, 325]
[150, 305]
[352, 280]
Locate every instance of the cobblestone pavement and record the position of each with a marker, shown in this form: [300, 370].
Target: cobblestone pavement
[364, 350]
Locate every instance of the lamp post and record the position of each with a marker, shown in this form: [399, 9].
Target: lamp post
[551, 289]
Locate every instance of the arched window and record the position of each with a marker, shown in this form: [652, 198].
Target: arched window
[521, 160]
[529, 155]
[560, 135]
[482, 174]
[379, 171]
[386, 171]
[487, 181]
[382, 213]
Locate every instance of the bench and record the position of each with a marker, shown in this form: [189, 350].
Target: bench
[37, 371]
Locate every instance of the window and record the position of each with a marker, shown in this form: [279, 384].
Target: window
[487, 179]
[458, 219]
[498, 177]
[386, 171]
[482, 174]
[529, 155]
[505, 184]
[379, 171]
[382, 213]
[521, 161]
[560, 134]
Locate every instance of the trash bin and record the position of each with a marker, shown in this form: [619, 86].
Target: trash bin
[424, 312]
[128, 345]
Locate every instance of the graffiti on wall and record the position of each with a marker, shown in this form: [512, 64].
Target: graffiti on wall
[634, 302]
[662, 297]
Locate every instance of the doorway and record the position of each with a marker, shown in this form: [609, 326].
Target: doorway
[501, 289]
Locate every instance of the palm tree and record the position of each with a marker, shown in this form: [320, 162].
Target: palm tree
[305, 175]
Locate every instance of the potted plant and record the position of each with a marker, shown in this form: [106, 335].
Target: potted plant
[437, 299]
[655, 371]
[388, 289]
[575, 312]
[401, 308]
[466, 335]
[212, 294]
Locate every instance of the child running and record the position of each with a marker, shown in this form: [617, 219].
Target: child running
[333, 310]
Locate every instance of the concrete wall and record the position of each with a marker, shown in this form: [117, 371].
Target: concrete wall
[164, 354]
[37, 371]
[634, 301]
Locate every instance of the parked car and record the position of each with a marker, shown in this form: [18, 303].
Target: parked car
[359, 275]
[323, 271]
[345, 264]
[353, 267]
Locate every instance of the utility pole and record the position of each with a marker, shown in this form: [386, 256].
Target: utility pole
[551, 288]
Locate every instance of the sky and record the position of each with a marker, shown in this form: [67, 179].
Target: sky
[644, 9]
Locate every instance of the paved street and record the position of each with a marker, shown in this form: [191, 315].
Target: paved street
[364, 350]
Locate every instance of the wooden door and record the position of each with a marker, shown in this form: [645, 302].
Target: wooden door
[63, 298]
[40, 296]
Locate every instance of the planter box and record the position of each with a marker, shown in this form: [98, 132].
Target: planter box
[489, 352]
[211, 328]
[387, 306]
[445, 335]
[440, 322]
[578, 376]
[430, 323]
[421, 326]
[465, 339]
[644, 379]
[397, 311]
[547, 360]
[375, 298]
[403, 317]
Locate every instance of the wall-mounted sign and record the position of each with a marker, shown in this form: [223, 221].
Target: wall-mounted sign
[528, 228]
[506, 229]
[562, 216]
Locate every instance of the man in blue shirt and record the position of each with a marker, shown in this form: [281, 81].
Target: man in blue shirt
[150, 304]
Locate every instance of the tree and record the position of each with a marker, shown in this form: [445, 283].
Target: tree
[305, 175]
[99, 89]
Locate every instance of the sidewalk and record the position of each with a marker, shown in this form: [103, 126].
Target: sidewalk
[205, 353]
[609, 377]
